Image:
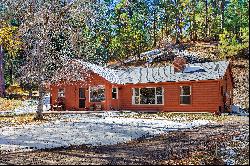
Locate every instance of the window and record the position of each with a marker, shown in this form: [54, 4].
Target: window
[61, 92]
[114, 93]
[185, 95]
[148, 95]
[81, 97]
[97, 93]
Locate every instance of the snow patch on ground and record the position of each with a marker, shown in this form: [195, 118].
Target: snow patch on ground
[87, 129]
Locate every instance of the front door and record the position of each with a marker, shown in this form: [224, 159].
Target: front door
[82, 98]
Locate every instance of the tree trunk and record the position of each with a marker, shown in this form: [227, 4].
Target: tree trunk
[194, 32]
[191, 31]
[222, 14]
[206, 18]
[154, 28]
[39, 115]
[2, 81]
[177, 30]
[180, 28]
[177, 27]
[166, 24]
[11, 72]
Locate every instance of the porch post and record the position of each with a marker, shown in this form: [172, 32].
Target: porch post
[108, 95]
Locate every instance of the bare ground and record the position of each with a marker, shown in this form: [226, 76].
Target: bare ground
[203, 145]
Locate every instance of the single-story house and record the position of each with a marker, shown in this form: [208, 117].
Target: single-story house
[199, 87]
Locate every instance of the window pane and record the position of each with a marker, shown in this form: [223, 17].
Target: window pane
[136, 91]
[137, 100]
[147, 96]
[159, 100]
[159, 91]
[114, 95]
[113, 89]
[81, 93]
[81, 103]
[185, 90]
[185, 99]
[97, 94]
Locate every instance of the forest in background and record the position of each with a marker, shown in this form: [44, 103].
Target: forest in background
[126, 28]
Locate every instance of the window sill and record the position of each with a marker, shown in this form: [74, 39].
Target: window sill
[148, 104]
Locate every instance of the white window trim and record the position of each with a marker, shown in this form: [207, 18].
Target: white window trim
[186, 95]
[133, 96]
[97, 101]
[116, 93]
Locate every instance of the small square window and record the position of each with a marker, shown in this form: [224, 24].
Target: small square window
[185, 96]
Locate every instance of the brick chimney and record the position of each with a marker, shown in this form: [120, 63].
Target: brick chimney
[179, 64]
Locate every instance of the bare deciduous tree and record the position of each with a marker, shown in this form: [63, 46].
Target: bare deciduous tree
[48, 29]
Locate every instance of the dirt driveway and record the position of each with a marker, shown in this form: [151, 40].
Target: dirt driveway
[224, 142]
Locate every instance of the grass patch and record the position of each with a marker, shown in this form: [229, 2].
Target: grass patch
[23, 119]
[20, 119]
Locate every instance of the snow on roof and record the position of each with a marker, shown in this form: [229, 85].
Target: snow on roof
[151, 52]
[107, 73]
[197, 71]
[134, 75]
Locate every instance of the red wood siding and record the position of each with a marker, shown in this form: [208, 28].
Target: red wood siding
[72, 92]
[205, 95]
[226, 87]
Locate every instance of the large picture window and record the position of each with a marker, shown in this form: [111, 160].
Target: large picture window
[185, 96]
[97, 93]
[148, 95]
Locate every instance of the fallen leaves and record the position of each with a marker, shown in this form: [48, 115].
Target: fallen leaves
[9, 105]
